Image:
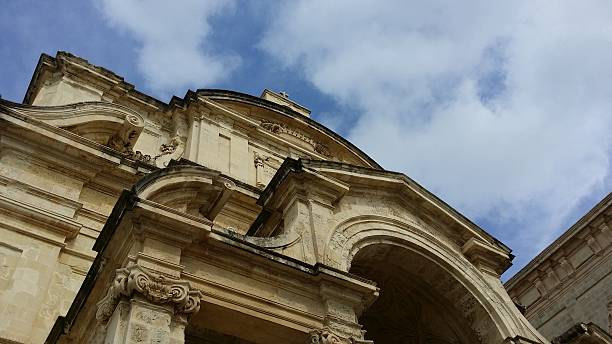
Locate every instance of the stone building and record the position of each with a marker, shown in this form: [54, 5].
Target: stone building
[224, 218]
[570, 282]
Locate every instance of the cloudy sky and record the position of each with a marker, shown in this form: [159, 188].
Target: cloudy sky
[501, 108]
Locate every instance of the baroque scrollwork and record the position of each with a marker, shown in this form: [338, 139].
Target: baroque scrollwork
[137, 155]
[155, 288]
[168, 148]
[281, 128]
[326, 336]
[164, 149]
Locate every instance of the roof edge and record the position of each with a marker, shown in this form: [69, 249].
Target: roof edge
[190, 96]
[600, 207]
[292, 165]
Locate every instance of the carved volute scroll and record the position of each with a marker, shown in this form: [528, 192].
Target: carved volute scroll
[326, 336]
[110, 124]
[157, 289]
[194, 190]
[125, 137]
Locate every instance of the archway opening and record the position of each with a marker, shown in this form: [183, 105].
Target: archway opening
[419, 302]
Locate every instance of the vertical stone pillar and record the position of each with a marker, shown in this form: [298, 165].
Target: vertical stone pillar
[143, 307]
[296, 221]
[326, 336]
[340, 325]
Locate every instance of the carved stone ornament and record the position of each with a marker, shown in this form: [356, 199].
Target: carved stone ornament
[168, 148]
[259, 160]
[137, 155]
[326, 336]
[281, 128]
[155, 288]
[165, 149]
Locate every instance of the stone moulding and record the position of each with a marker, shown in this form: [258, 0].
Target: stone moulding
[155, 288]
[118, 125]
[281, 128]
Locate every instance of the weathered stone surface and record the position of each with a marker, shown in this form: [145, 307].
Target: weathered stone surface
[570, 281]
[225, 217]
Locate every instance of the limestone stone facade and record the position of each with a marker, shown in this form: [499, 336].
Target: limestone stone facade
[569, 285]
[224, 218]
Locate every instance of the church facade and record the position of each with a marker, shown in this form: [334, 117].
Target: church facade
[222, 217]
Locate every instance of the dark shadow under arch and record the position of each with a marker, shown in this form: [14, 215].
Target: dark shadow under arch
[420, 302]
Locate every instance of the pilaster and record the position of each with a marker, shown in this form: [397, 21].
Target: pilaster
[342, 308]
[307, 201]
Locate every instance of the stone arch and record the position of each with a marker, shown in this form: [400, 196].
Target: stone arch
[193, 190]
[448, 275]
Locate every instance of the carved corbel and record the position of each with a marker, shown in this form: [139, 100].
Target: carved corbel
[157, 289]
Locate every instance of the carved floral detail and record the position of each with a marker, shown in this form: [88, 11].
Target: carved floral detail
[165, 149]
[260, 160]
[137, 155]
[322, 149]
[281, 128]
[326, 336]
[168, 148]
[155, 288]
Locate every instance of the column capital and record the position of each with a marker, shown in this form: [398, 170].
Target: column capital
[327, 336]
[157, 289]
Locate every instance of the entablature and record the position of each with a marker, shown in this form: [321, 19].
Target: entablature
[582, 248]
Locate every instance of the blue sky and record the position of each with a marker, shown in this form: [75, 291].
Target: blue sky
[502, 108]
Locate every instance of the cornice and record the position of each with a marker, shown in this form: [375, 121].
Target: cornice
[582, 224]
[585, 271]
[17, 119]
[57, 200]
[64, 226]
[394, 180]
[72, 65]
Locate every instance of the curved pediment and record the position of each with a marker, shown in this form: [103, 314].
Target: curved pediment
[193, 190]
[106, 123]
[283, 122]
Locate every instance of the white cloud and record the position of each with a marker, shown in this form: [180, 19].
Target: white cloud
[174, 52]
[504, 108]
